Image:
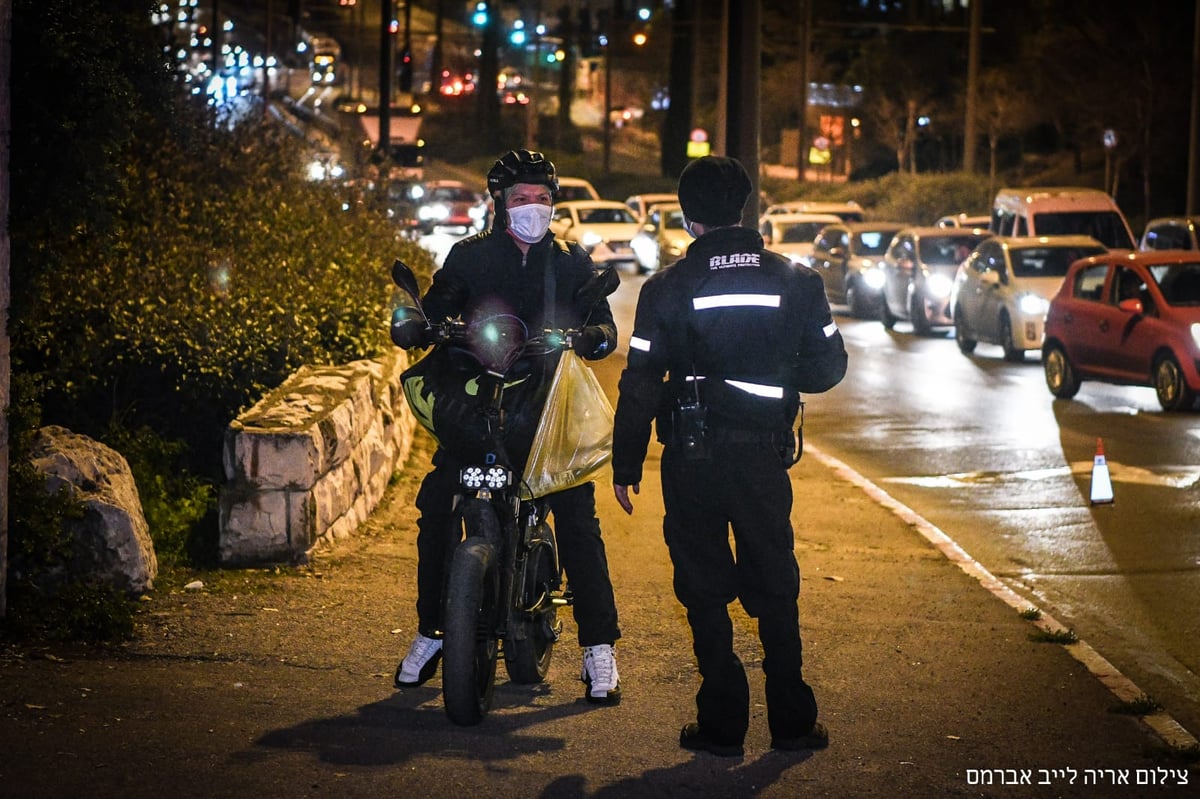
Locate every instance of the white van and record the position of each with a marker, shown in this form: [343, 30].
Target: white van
[1061, 212]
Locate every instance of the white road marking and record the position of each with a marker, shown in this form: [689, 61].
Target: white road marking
[1166, 727]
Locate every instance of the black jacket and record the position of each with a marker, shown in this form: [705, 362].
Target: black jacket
[488, 275]
[752, 328]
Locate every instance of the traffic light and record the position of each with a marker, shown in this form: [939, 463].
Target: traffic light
[480, 17]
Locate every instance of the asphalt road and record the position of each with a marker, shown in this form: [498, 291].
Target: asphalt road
[277, 682]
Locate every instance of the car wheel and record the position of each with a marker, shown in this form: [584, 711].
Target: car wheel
[966, 344]
[1011, 352]
[1170, 386]
[1061, 378]
[886, 316]
[859, 306]
[916, 313]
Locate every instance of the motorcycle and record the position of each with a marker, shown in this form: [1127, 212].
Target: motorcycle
[504, 584]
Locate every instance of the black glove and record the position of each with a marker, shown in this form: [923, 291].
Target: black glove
[410, 331]
[591, 343]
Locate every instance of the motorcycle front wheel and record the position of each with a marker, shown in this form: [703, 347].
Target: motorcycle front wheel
[534, 627]
[470, 646]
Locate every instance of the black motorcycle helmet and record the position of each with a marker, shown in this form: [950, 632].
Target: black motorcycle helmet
[518, 166]
[521, 166]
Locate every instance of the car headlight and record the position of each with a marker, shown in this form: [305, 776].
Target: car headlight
[590, 240]
[643, 248]
[938, 286]
[432, 213]
[1195, 331]
[1032, 305]
[874, 278]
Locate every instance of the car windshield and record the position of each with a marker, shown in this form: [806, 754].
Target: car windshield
[450, 194]
[1105, 227]
[1168, 237]
[605, 216]
[1048, 261]
[946, 250]
[1179, 283]
[566, 193]
[801, 232]
[873, 242]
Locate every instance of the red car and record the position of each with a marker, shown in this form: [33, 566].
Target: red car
[1128, 318]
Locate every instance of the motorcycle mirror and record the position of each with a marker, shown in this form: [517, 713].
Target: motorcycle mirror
[403, 277]
[604, 281]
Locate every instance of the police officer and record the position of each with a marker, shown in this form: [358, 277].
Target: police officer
[723, 343]
[518, 267]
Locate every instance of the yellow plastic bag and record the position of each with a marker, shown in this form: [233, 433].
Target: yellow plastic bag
[574, 436]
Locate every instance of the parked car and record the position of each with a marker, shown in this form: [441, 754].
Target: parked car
[1131, 319]
[571, 189]
[918, 271]
[847, 256]
[794, 235]
[1170, 233]
[848, 211]
[964, 220]
[604, 228]
[663, 240]
[640, 203]
[1001, 292]
[448, 206]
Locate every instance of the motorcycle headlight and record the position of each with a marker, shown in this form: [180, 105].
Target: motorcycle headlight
[493, 477]
[472, 477]
[1032, 305]
[497, 477]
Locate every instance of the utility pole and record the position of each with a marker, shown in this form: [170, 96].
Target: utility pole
[1194, 126]
[742, 96]
[216, 34]
[609, 41]
[970, 123]
[267, 62]
[385, 79]
[806, 22]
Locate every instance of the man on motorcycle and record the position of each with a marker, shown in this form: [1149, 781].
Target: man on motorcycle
[518, 267]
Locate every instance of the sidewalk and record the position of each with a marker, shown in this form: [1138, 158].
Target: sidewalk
[278, 683]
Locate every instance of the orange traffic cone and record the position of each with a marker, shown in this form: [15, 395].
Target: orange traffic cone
[1102, 491]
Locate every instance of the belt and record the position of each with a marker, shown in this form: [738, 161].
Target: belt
[730, 435]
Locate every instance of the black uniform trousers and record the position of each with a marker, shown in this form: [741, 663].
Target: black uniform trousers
[743, 486]
[580, 550]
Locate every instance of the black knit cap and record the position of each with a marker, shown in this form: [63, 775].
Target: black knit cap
[713, 190]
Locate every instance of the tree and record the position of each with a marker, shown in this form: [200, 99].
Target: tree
[1003, 109]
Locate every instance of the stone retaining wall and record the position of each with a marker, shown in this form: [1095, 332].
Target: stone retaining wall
[312, 459]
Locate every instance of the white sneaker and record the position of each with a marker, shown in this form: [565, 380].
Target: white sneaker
[600, 675]
[420, 663]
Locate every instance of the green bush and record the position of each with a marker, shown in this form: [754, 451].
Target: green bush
[188, 268]
[915, 199]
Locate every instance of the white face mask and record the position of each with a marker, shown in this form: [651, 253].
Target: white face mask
[687, 225]
[529, 222]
